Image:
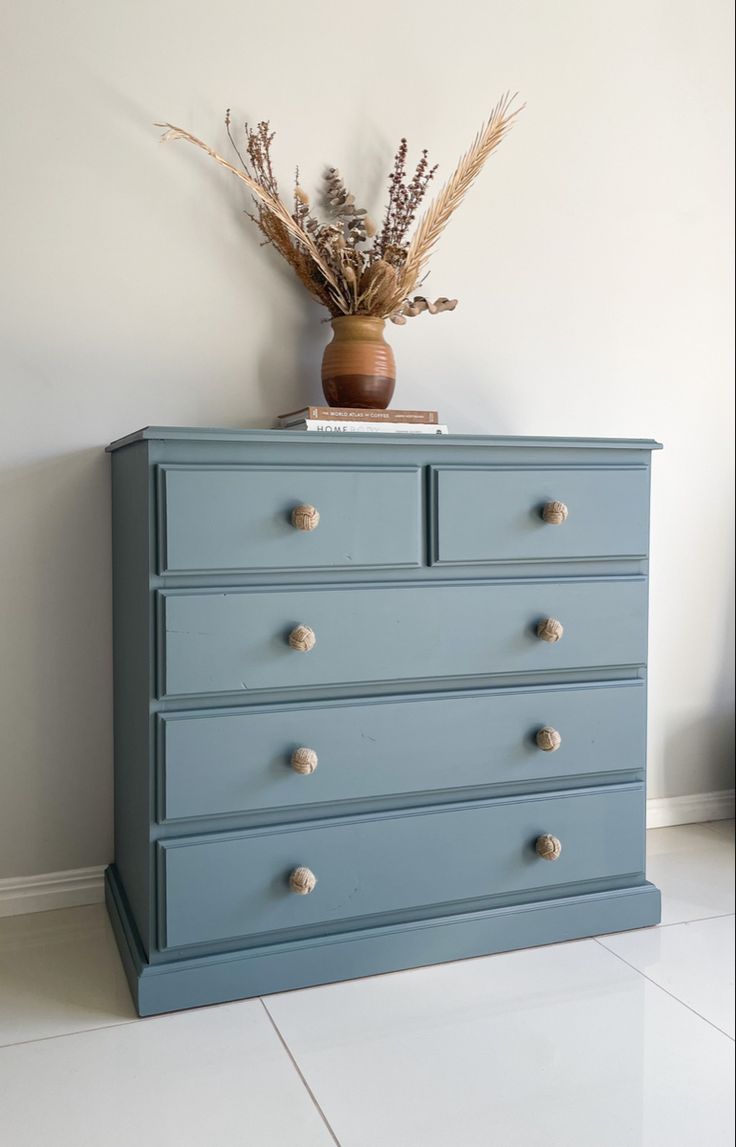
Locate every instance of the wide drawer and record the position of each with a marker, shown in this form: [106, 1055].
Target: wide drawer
[238, 885]
[214, 763]
[229, 519]
[237, 641]
[494, 515]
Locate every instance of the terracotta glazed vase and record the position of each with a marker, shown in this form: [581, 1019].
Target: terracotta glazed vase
[358, 367]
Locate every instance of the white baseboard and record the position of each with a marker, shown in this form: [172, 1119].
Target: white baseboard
[662, 812]
[21, 894]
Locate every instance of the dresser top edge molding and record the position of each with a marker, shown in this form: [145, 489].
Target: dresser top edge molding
[232, 434]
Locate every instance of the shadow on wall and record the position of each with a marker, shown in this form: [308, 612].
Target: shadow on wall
[56, 669]
[699, 757]
[284, 374]
[287, 371]
[704, 748]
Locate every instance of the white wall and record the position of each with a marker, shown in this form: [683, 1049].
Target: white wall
[592, 263]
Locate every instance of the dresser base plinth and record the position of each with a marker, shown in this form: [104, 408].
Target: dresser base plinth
[203, 980]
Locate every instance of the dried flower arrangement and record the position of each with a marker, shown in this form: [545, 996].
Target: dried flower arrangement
[346, 262]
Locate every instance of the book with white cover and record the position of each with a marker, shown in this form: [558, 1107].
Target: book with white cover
[335, 427]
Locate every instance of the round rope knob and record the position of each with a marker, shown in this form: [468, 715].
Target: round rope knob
[304, 760]
[548, 847]
[550, 629]
[548, 739]
[302, 639]
[555, 513]
[305, 517]
[303, 881]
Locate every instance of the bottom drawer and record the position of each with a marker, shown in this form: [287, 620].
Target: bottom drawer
[237, 885]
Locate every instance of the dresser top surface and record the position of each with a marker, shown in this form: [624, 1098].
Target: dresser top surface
[360, 438]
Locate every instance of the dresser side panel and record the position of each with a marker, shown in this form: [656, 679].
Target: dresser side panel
[132, 661]
[646, 646]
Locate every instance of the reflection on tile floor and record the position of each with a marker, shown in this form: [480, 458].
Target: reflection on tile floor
[623, 1040]
[558, 1045]
[214, 1077]
[693, 962]
[693, 866]
[60, 973]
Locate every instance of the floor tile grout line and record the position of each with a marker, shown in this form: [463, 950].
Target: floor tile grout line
[694, 920]
[666, 991]
[157, 1017]
[70, 1035]
[300, 1073]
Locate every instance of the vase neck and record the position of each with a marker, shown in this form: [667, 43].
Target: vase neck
[354, 327]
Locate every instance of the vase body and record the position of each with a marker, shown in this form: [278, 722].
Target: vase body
[358, 367]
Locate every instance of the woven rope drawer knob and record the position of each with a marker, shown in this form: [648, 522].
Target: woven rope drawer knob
[303, 881]
[548, 739]
[304, 760]
[548, 847]
[302, 639]
[555, 513]
[305, 517]
[550, 629]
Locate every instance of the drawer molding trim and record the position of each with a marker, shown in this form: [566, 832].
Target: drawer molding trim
[535, 507]
[164, 469]
[232, 870]
[197, 617]
[236, 762]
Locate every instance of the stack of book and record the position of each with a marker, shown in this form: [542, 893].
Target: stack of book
[341, 419]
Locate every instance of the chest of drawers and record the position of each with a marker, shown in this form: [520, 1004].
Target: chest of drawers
[380, 701]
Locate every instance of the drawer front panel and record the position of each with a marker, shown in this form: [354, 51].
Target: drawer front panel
[238, 641]
[222, 519]
[496, 515]
[217, 764]
[226, 888]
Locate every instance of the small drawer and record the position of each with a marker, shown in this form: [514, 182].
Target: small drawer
[238, 885]
[241, 641]
[222, 519]
[215, 763]
[499, 515]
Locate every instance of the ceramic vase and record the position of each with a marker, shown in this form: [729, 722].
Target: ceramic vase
[358, 367]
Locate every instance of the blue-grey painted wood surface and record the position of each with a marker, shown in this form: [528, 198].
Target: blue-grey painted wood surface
[238, 641]
[425, 621]
[133, 668]
[219, 435]
[240, 519]
[495, 515]
[216, 763]
[196, 980]
[235, 886]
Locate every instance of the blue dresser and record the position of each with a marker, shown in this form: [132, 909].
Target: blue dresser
[380, 701]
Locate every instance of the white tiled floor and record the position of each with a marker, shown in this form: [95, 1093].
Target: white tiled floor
[626, 1040]
[684, 863]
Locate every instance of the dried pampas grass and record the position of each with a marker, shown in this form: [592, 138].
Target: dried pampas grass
[436, 218]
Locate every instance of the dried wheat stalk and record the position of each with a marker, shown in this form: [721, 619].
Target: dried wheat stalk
[437, 216]
[274, 205]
